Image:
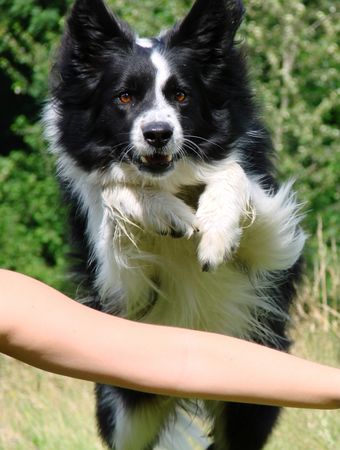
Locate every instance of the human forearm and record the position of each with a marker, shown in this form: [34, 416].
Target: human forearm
[243, 372]
[50, 331]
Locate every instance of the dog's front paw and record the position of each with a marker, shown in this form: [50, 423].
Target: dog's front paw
[219, 220]
[170, 216]
[171, 224]
[222, 208]
[217, 246]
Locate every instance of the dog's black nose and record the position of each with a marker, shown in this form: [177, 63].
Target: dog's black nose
[157, 134]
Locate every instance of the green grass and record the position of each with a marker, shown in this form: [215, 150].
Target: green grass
[41, 411]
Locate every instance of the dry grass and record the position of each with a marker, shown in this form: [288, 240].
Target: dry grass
[319, 300]
[302, 429]
[44, 411]
[317, 337]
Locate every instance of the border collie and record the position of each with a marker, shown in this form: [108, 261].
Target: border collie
[175, 212]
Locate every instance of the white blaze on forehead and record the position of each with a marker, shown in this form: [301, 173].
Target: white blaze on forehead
[162, 72]
[160, 110]
[144, 42]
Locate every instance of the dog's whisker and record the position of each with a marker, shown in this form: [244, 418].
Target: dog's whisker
[194, 148]
[208, 141]
[117, 147]
[125, 152]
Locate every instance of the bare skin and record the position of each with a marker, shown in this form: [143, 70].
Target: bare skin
[43, 328]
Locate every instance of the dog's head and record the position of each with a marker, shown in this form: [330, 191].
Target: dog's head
[149, 103]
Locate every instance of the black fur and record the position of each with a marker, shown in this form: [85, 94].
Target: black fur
[98, 60]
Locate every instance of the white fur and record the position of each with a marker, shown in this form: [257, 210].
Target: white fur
[161, 111]
[239, 223]
[222, 206]
[124, 222]
[144, 42]
[134, 430]
[274, 240]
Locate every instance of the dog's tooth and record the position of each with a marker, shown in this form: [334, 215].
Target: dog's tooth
[169, 158]
[144, 159]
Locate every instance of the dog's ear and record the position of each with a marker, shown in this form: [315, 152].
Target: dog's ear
[209, 28]
[92, 26]
[92, 36]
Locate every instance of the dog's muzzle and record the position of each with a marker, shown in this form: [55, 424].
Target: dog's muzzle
[157, 135]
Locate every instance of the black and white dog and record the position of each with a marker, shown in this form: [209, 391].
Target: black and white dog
[175, 211]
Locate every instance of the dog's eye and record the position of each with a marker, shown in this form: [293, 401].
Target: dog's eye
[125, 98]
[180, 96]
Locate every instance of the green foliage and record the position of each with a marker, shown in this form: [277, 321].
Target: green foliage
[32, 237]
[294, 59]
[32, 231]
[28, 32]
[151, 16]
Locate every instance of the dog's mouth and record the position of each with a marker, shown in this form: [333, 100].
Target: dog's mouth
[157, 163]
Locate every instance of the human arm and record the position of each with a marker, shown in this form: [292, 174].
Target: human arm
[44, 328]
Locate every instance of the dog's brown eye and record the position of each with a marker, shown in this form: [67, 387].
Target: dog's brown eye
[180, 96]
[125, 98]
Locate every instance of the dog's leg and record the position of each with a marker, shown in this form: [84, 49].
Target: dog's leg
[243, 427]
[233, 206]
[151, 210]
[221, 206]
[130, 420]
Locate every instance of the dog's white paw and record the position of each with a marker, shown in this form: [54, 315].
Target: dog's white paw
[219, 215]
[217, 246]
[170, 216]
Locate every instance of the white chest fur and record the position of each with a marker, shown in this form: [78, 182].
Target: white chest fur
[243, 234]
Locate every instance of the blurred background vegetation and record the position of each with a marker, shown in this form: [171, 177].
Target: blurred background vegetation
[294, 59]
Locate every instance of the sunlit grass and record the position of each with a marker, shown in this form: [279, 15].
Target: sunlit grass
[302, 429]
[44, 411]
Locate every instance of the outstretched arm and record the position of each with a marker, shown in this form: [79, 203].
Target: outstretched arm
[42, 327]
